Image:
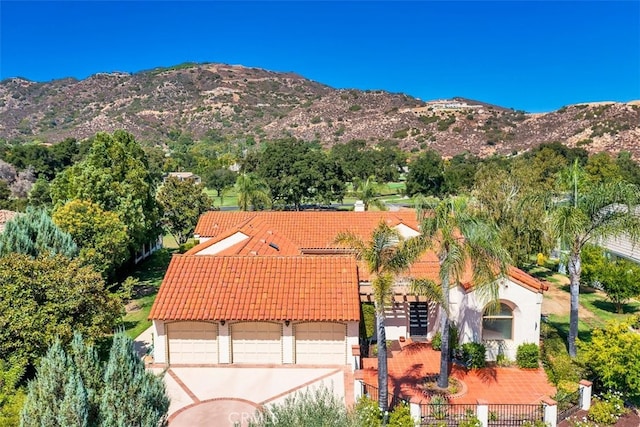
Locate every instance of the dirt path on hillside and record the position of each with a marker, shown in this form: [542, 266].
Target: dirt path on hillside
[557, 301]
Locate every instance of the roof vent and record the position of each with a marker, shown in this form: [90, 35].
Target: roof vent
[274, 246]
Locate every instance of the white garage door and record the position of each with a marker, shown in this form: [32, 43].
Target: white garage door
[321, 343]
[193, 342]
[256, 342]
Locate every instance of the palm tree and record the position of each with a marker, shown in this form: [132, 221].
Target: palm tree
[368, 190]
[252, 192]
[589, 213]
[387, 255]
[460, 240]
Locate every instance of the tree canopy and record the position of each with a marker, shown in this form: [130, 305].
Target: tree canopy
[75, 389]
[101, 235]
[34, 233]
[115, 176]
[182, 203]
[48, 297]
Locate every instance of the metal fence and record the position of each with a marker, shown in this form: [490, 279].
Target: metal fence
[506, 415]
[569, 404]
[441, 413]
[372, 392]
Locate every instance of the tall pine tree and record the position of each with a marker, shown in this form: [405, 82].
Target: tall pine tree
[34, 233]
[131, 395]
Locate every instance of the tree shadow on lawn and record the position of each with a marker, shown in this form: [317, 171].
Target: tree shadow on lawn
[608, 306]
[562, 329]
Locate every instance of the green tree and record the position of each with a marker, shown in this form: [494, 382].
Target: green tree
[298, 172]
[629, 170]
[34, 233]
[132, 396]
[386, 256]
[39, 194]
[588, 213]
[368, 191]
[613, 357]
[182, 203]
[87, 363]
[11, 395]
[120, 393]
[426, 175]
[49, 297]
[253, 192]
[518, 210]
[48, 391]
[460, 239]
[601, 168]
[620, 280]
[221, 180]
[101, 235]
[459, 173]
[115, 176]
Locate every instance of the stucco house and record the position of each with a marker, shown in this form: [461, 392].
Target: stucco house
[273, 287]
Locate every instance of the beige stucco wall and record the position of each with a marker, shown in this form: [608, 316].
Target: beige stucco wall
[467, 309]
[224, 343]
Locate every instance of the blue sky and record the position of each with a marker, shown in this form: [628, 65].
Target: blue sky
[535, 56]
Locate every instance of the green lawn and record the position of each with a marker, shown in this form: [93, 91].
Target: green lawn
[149, 273]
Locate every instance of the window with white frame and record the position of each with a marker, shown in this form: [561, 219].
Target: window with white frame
[497, 325]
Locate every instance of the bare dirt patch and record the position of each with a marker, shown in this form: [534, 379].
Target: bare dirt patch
[558, 301]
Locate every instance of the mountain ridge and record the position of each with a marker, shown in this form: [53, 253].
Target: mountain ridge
[193, 99]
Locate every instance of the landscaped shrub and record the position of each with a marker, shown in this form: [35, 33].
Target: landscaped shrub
[436, 341]
[472, 421]
[475, 353]
[607, 409]
[319, 407]
[367, 412]
[528, 355]
[401, 417]
[438, 406]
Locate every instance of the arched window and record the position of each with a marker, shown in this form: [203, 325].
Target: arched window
[498, 326]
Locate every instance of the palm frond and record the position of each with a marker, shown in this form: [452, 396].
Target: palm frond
[429, 289]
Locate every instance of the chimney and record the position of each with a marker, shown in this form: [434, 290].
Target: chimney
[358, 206]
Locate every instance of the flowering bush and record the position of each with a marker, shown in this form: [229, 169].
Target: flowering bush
[607, 408]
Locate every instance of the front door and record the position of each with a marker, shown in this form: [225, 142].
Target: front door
[418, 314]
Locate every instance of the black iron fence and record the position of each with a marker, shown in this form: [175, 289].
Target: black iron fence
[441, 413]
[506, 415]
[568, 404]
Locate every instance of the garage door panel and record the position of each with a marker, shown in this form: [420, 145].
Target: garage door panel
[321, 343]
[256, 342]
[193, 342]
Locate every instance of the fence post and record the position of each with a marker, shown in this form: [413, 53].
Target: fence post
[585, 394]
[482, 412]
[416, 412]
[550, 412]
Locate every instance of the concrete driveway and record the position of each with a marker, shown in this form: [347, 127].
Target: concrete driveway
[230, 395]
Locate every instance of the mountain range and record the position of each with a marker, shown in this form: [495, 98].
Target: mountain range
[193, 99]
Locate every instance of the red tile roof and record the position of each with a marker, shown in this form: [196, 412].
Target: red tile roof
[297, 233]
[203, 287]
[304, 229]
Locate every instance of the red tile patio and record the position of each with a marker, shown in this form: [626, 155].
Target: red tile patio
[409, 367]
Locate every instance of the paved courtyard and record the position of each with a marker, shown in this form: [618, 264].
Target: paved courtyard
[409, 367]
[230, 395]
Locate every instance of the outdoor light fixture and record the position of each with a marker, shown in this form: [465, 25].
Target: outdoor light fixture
[222, 322]
[287, 322]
